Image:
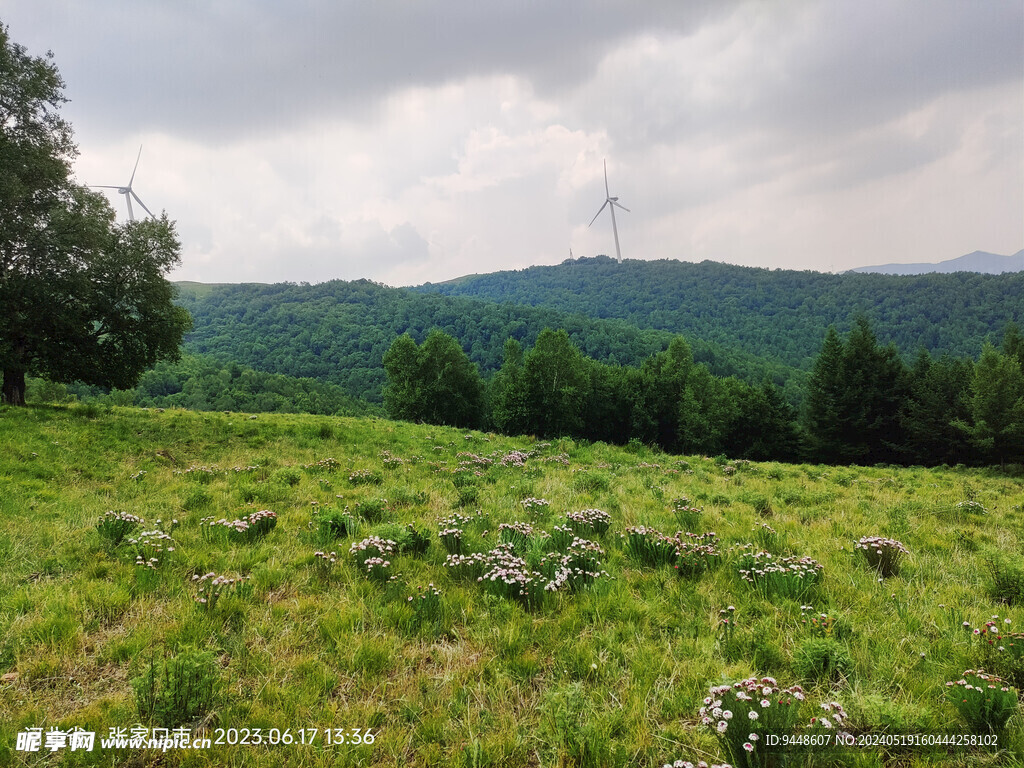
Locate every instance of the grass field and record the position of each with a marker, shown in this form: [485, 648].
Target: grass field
[585, 654]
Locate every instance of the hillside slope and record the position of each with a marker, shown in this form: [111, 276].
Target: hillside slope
[607, 667]
[339, 331]
[778, 314]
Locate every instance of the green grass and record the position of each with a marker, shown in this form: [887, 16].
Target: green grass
[611, 673]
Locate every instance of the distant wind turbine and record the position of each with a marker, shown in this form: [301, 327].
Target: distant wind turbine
[128, 192]
[611, 203]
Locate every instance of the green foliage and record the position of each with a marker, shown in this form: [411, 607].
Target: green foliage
[176, 690]
[557, 385]
[997, 406]
[115, 526]
[984, 701]
[822, 660]
[434, 382]
[765, 312]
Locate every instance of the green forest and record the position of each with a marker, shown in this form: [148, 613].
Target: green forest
[775, 314]
[339, 331]
[863, 404]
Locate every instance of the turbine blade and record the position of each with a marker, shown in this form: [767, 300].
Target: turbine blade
[606, 192]
[620, 205]
[598, 213]
[137, 200]
[139, 157]
[103, 186]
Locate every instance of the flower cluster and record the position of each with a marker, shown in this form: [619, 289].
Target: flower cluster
[560, 538]
[1001, 649]
[509, 576]
[533, 505]
[726, 625]
[378, 569]
[883, 555]
[515, 458]
[834, 718]
[326, 560]
[212, 587]
[150, 547]
[365, 477]
[518, 535]
[742, 713]
[198, 472]
[687, 515]
[247, 529]
[983, 700]
[372, 547]
[390, 461]
[324, 465]
[589, 521]
[698, 764]
[469, 460]
[791, 577]
[114, 526]
[971, 507]
[649, 546]
[427, 605]
[820, 624]
[470, 567]
[558, 458]
[696, 553]
[579, 567]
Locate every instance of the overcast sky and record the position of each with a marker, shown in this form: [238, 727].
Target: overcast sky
[418, 141]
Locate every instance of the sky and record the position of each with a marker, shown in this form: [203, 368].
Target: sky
[410, 141]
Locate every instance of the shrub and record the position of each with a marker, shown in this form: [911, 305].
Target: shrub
[984, 701]
[822, 659]
[883, 555]
[175, 690]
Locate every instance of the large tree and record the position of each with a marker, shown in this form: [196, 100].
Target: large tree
[81, 298]
[435, 382]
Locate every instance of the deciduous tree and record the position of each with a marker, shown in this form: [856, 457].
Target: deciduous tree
[81, 297]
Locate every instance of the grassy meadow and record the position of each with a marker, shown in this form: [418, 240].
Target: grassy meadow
[592, 653]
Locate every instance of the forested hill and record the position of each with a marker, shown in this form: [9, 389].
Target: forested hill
[339, 331]
[769, 313]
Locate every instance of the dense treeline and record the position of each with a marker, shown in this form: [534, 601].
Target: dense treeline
[863, 406]
[202, 384]
[339, 331]
[777, 314]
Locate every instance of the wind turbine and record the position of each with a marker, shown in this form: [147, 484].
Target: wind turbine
[128, 192]
[610, 202]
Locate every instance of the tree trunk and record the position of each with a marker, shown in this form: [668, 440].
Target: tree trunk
[14, 387]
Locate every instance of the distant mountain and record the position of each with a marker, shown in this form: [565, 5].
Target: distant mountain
[775, 314]
[979, 261]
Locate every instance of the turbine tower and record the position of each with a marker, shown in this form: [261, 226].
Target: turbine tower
[610, 202]
[128, 192]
